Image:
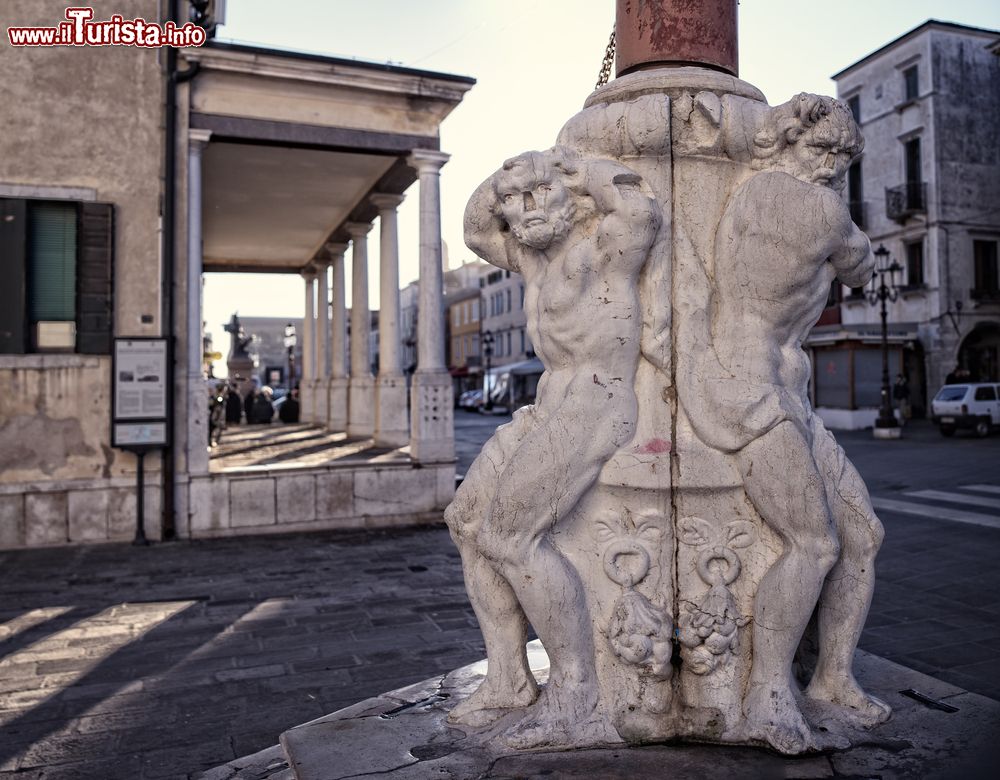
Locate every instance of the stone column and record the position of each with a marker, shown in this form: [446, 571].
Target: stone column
[432, 434]
[197, 412]
[391, 425]
[322, 351]
[361, 390]
[337, 417]
[306, 399]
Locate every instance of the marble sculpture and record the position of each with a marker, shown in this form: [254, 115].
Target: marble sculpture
[670, 516]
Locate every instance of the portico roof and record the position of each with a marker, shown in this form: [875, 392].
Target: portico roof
[299, 142]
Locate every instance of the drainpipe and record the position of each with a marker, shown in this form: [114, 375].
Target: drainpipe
[169, 246]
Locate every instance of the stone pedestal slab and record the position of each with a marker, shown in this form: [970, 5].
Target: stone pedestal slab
[338, 403]
[432, 436]
[406, 734]
[361, 409]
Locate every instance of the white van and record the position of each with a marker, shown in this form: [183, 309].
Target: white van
[974, 405]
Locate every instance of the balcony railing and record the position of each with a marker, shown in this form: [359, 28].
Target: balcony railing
[857, 208]
[904, 201]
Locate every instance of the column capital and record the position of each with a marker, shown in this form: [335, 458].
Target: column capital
[386, 201]
[335, 249]
[198, 139]
[427, 160]
[308, 273]
[358, 229]
[319, 264]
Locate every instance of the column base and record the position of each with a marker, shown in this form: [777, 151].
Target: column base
[337, 418]
[432, 428]
[307, 400]
[392, 428]
[361, 406]
[321, 406]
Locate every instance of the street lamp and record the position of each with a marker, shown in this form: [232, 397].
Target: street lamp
[488, 353]
[886, 426]
[290, 345]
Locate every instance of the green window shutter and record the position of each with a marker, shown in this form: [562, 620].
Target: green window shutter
[95, 279]
[13, 219]
[52, 262]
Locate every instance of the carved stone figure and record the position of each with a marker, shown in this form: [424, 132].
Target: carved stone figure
[785, 235]
[579, 230]
[671, 513]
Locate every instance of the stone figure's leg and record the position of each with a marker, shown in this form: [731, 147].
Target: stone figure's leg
[509, 682]
[560, 460]
[794, 505]
[847, 593]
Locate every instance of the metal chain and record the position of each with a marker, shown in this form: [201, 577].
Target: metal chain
[609, 60]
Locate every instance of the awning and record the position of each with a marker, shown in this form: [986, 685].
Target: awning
[866, 333]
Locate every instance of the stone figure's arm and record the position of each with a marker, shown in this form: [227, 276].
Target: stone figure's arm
[852, 254]
[486, 233]
[630, 217]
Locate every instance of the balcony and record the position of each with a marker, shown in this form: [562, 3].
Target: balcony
[904, 201]
[857, 208]
[985, 294]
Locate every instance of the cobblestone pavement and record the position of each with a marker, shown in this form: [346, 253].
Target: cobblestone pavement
[134, 663]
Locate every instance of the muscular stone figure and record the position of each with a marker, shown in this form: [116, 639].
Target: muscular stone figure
[784, 237]
[579, 230]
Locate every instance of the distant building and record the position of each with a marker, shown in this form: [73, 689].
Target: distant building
[268, 348]
[927, 188]
[504, 317]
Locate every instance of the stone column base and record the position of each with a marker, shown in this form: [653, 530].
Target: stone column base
[392, 427]
[337, 417]
[321, 404]
[361, 406]
[432, 430]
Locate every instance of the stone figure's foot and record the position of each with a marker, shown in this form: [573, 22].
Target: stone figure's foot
[491, 701]
[774, 717]
[545, 729]
[860, 709]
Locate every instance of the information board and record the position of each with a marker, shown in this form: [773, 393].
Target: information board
[139, 402]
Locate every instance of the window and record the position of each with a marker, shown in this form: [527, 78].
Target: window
[835, 295]
[856, 194]
[987, 279]
[509, 352]
[986, 394]
[522, 296]
[910, 83]
[475, 310]
[854, 103]
[509, 307]
[915, 264]
[912, 158]
[57, 258]
[522, 339]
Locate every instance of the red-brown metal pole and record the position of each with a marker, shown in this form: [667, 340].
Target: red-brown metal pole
[657, 33]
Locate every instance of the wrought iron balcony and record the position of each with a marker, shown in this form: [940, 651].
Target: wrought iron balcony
[904, 201]
[857, 208]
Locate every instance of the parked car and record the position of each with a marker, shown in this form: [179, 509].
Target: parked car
[470, 399]
[974, 405]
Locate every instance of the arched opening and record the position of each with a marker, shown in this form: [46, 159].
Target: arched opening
[980, 352]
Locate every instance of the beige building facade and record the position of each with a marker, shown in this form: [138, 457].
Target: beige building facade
[280, 163]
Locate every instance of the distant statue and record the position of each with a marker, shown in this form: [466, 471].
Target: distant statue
[238, 340]
[579, 230]
[784, 237]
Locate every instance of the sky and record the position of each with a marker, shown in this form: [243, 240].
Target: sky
[535, 62]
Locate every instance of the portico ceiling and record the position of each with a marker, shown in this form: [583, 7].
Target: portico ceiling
[271, 208]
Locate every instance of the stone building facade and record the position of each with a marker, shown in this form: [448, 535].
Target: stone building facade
[136, 170]
[927, 188]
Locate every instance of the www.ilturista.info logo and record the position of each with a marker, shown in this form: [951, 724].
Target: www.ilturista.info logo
[80, 30]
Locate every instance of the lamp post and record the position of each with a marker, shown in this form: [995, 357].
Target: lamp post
[488, 353]
[886, 425]
[290, 346]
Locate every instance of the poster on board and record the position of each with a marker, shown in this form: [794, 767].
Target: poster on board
[139, 400]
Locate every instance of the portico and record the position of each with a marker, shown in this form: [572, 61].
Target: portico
[295, 160]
